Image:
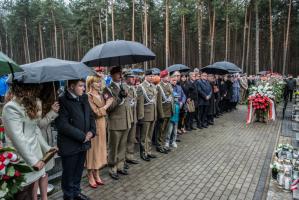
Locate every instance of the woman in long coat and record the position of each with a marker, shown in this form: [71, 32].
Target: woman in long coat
[20, 118]
[97, 155]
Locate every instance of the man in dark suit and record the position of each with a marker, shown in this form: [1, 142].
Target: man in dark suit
[204, 92]
[76, 126]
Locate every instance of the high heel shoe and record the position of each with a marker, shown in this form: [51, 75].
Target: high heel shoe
[94, 186]
[100, 183]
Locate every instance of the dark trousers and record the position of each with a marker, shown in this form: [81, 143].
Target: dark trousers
[72, 169]
[203, 109]
[197, 115]
[189, 119]
[226, 105]
[25, 194]
[291, 95]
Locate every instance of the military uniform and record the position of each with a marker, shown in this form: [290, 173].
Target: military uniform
[119, 123]
[147, 115]
[165, 91]
[132, 96]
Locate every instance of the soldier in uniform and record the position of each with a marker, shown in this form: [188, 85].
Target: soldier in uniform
[132, 95]
[147, 114]
[119, 123]
[165, 92]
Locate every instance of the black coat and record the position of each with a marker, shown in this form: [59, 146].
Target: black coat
[223, 89]
[75, 120]
[190, 91]
[291, 83]
[229, 87]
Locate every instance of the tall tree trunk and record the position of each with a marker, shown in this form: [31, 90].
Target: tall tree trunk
[112, 19]
[257, 38]
[92, 32]
[55, 34]
[107, 28]
[226, 31]
[11, 48]
[244, 38]
[271, 36]
[166, 33]
[27, 42]
[145, 29]
[101, 28]
[25, 50]
[0, 43]
[41, 48]
[212, 55]
[286, 45]
[78, 47]
[133, 20]
[150, 38]
[199, 30]
[6, 40]
[183, 39]
[248, 42]
[63, 43]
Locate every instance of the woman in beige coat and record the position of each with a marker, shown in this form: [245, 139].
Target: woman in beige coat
[97, 155]
[20, 119]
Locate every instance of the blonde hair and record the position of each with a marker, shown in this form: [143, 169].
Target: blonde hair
[91, 79]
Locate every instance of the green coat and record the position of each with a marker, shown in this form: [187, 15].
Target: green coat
[146, 102]
[167, 98]
[119, 113]
[132, 95]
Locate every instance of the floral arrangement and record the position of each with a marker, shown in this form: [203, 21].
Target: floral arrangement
[278, 88]
[263, 90]
[12, 173]
[260, 102]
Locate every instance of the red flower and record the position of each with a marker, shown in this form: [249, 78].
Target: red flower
[5, 177]
[17, 173]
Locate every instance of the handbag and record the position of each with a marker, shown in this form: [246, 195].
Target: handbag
[190, 106]
[48, 156]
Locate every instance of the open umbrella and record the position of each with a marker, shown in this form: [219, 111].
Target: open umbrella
[116, 53]
[231, 67]
[7, 65]
[213, 69]
[52, 69]
[177, 67]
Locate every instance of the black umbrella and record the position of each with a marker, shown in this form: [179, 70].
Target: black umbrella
[177, 67]
[213, 69]
[116, 53]
[231, 67]
[52, 69]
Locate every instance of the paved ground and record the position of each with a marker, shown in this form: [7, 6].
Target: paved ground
[225, 161]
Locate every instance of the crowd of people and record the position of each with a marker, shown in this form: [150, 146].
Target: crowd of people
[100, 124]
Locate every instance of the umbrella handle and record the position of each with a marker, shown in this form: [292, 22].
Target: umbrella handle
[54, 88]
[12, 72]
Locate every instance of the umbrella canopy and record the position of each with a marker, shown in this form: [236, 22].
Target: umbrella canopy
[137, 71]
[231, 67]
[263, 72]
[212, 69]
[178, 67]
[7, 65]
[116, 53]
[52, 69]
